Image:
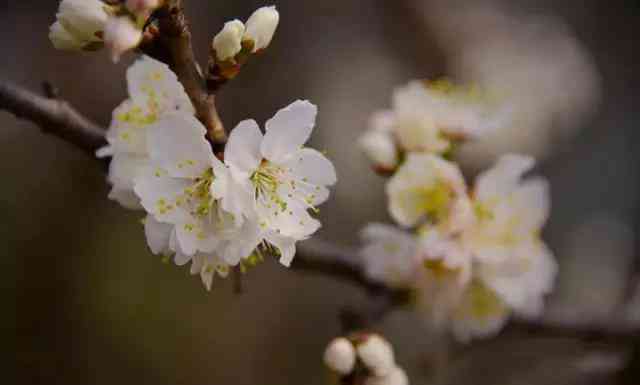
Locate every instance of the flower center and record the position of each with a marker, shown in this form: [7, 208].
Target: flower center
[434, 202]
[266, 180]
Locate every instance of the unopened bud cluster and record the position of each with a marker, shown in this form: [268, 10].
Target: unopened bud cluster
[87, 25]
[364, 358]
[237, 41]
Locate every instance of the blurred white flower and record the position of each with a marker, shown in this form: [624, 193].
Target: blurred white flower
[396, 376]
[228, 42]
[512, 259]
[277, 179]
[121, 34]
[430, 118]
[376, 353]
[427, 187]
[389, 254]
[154, 92]
[79, 24]
[261, 26]
[378, 142]
[340, 356]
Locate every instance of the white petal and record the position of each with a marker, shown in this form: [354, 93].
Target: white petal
[177, 144]
[196, 235]
[127, 198]
[128, 128]
[480, 313]
[242, 152]
[286, 246]
[312, 167]
[294, 221]
[502, 178]
[181, 258]
[288, 130]
[158, 194]
[532, 197]
[158, 235]
[124, 168]
[389, 254]
[242, 243]
[156, 88]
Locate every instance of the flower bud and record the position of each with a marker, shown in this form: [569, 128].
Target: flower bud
[228, 42]
[142, 6]
[380, 148]
[79, 23]
[63, 39]
[377, 355]
[340, 356]
[396, 376]
[261, 26]
[121, 35]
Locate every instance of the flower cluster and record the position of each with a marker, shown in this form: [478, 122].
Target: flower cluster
[430, 117]
[215, 213]
[91, 24]
[364, 358]
[474, 256]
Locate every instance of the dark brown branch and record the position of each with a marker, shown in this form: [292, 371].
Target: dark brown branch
[172, 44]
[54, 116]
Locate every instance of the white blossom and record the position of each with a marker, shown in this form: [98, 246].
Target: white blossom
[396, 376]
[389, 254]
[512, 268]
[512, 259]
[378, 142]
[154, 92]
[276, 179]
[261, 26]
[427, 187]
[340, 356]
[184, 186]
[228, 42]
[376, 354]
[79, 24]
[120, 35]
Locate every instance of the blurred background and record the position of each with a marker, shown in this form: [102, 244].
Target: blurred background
[93, 306]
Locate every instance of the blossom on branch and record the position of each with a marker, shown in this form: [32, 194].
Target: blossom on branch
[277, 180]
[474, 265]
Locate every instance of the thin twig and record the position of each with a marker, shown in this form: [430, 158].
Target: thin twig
[54, 116]
[173, 45]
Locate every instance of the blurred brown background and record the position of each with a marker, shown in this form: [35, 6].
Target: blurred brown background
[93, 306]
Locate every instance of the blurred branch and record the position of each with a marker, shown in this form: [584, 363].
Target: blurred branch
[54, 116]
[172, 44]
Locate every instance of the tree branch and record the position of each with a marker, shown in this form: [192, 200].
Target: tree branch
[54, 116]
[58, 118]
[172, 45]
